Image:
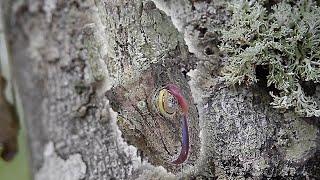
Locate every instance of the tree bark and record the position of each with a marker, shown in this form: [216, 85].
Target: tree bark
[77, 63]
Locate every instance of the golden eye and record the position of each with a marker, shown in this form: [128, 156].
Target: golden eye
[166, 103]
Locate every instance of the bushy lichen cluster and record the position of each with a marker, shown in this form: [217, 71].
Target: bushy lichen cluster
[285, 39]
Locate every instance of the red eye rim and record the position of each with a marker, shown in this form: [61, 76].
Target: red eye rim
[176, 92]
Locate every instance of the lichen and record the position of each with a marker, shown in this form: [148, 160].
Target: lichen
[285, 39]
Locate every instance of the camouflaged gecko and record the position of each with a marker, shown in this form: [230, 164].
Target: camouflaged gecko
[162, 137]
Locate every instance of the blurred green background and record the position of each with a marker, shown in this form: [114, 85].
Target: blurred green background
[18, 169]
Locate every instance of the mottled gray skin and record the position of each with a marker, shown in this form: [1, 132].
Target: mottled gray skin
[157, 136]
[68, 54]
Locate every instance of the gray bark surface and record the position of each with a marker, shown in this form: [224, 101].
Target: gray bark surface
[77, 63]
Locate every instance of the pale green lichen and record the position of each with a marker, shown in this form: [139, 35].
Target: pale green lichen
[285, 39]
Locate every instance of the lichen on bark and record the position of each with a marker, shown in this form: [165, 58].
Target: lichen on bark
[75, 60]
[285, 40]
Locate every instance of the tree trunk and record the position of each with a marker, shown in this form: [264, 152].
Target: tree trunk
[77, 63]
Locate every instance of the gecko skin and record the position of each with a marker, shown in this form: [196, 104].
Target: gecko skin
[175, 91]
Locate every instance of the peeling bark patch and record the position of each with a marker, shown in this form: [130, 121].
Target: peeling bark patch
[54, 167]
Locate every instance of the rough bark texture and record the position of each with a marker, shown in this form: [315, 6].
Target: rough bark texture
[71, 57]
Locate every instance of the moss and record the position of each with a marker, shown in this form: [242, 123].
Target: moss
[286, 39]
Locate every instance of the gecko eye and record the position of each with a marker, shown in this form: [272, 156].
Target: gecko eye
[166, 103]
